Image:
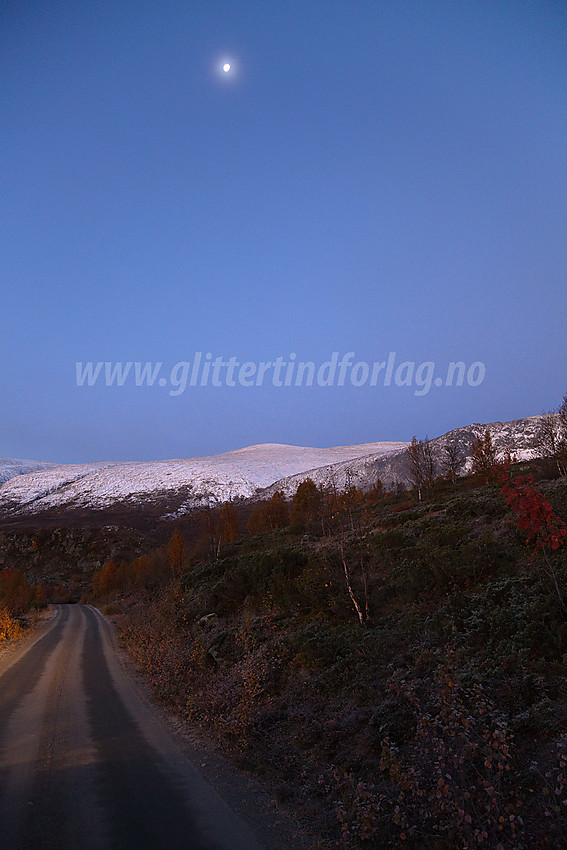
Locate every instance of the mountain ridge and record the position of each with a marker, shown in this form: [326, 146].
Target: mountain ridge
[170, 489]
[519, 437]
[190, 482]
[11, 467]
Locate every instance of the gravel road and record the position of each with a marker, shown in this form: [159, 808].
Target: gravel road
[83, 762]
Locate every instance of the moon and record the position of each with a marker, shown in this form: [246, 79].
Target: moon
[224, 66]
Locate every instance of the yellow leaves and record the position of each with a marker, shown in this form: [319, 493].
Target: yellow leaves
[9, 628]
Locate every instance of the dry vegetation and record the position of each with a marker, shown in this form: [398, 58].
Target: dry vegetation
[17, 597]
[395, 667]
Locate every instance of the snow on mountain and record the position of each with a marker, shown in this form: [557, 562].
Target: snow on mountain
[173, 488]
[519, 437]
[189, 483]
[360, 471]
[10, 467]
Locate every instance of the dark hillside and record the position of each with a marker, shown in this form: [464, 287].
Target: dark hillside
[395, 669]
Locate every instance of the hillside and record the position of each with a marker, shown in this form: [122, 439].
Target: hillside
[169, 487]
[11, 467]
[518, 437]
[134, 492]
[393, 669]
[439, 721]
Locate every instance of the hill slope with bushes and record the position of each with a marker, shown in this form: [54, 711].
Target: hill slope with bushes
[395, 668]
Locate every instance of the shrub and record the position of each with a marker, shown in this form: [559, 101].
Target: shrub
[9, 628]
[269, 515]
[16, 593]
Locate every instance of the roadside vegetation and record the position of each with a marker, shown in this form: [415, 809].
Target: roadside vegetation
[395, 665]
[18, 600]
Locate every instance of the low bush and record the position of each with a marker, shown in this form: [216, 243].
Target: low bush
[10, 628]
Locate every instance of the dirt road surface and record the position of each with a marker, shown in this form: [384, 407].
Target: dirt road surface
[83, 761]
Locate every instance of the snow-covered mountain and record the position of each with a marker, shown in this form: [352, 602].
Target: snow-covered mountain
[172, 488]
[181, 484]
[10, 467]
[519, 437]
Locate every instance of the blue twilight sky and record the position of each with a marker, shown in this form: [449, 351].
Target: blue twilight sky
[369, 177]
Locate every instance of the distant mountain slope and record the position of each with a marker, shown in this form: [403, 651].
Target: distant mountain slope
[10, 467]
[172, 488]
[181, 484]
[519, 437]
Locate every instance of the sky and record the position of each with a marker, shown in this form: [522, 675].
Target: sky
[369, 183]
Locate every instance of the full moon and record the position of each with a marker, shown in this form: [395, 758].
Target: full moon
[226, 67]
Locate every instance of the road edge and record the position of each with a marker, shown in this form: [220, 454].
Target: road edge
[251, 799]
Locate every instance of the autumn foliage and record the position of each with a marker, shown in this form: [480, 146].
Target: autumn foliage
[177, 553]
[398, 670]
[16, 593]
[306, 503]
[536, 517]
[16, 597]
[269, 515]
[218, 527]
[545, 532]
[484, 463]
[147, 571]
